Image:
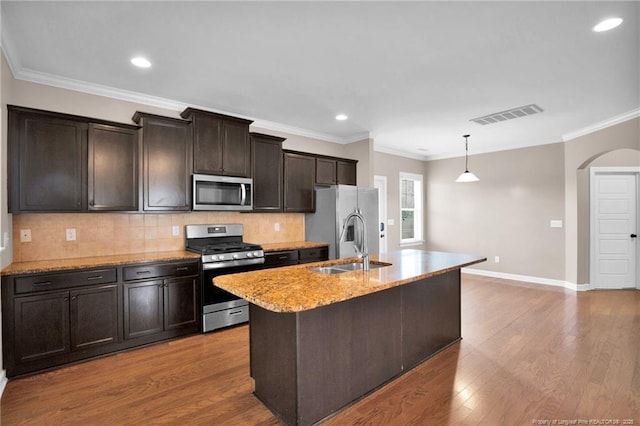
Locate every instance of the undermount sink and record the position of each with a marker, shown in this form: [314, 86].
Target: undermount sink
[339, 269]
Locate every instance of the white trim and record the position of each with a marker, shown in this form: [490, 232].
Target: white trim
[380, 182]
[3, 381]
[391, 151]
[527, 278]
[144, 99]
[630, 115]
[593, 171]
[278, 127]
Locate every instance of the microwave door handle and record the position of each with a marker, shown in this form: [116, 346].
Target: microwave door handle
[243, 194]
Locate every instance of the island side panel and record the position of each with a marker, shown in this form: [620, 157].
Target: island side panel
[273, 363]
[346, 350]
[431, 316]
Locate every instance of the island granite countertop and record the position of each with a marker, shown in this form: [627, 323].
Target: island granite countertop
[296, 288]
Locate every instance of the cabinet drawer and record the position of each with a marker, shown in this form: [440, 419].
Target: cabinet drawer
[314, 254]
[65, 280]
[280, 258]
[160, 270]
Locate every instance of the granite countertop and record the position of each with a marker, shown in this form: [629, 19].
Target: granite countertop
[296, 288]
[95, 262]
[271, 247]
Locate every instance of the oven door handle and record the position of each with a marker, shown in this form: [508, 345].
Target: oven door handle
[243, 194]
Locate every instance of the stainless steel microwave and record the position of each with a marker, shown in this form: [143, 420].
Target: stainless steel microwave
[222, 193]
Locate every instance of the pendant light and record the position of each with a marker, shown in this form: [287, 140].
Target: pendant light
[467, 176]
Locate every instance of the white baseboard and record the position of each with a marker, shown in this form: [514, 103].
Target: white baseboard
[528, 279]
[3, 381]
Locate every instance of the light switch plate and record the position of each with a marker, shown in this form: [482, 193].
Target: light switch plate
[276, 226]
[175, 230]
[71, 234]
[390, 222]
[556, 224]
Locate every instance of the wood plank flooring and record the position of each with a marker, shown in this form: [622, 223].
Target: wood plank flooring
[529, 353]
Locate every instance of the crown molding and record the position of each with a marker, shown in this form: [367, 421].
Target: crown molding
[144, 99]
[405, 154]
[630, 115]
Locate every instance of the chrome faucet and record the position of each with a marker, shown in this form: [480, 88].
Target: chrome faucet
[362, 252]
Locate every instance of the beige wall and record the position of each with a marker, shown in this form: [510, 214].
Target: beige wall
[580, 154]
[391, 166]
[506, 214]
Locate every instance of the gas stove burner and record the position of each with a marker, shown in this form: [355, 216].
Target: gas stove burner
[221, 246]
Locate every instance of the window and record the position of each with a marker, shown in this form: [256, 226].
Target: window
[410, 208]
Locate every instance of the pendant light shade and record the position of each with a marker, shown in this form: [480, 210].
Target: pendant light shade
[466, 176]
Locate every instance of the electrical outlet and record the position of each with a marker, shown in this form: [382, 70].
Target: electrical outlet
[71, 234]
[556, 223]
[5, 239]
[175, 231]
[276, 226]
[25, 235]
[496, 259]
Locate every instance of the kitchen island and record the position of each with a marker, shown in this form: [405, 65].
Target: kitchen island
[320, 341]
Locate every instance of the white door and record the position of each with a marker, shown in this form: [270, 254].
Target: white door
[613, 229]
[380, 182]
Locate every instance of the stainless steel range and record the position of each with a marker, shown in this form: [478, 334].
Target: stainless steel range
[223, 252]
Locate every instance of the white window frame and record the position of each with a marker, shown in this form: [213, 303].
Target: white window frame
[418, 216]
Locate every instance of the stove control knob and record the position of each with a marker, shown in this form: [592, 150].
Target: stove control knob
[256, 253]
[249, 254]
[236, 256]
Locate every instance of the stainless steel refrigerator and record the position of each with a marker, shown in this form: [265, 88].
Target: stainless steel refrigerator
[333, 204]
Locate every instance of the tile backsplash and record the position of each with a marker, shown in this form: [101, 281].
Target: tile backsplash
[104, 234]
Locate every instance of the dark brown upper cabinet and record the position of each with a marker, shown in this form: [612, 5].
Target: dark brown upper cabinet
[113, 168]
[166, 162]
[221, 143]
[267, 173]
[47, 162]
[299, 182]
[333, 171]
[63, 163]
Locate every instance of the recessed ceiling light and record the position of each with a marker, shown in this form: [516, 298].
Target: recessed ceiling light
[140, 62]
[607, 24]
[341, 117]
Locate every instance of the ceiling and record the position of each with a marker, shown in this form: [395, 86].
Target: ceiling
[410, 75]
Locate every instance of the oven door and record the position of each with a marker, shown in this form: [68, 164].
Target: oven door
[215, 298]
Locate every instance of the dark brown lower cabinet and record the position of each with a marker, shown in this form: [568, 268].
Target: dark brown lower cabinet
[41, 326]
[155, 306]
[53, 319]
[143, 308]
[49, 327]
[94, 317]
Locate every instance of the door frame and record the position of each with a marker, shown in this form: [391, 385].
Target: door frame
[593, 171]
[380, 182]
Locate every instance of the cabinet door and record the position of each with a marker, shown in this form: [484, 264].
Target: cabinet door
[267, 174]
[181, 302]
[113, 168]
[166, 164]
[94, 317]
[143, 308]
[48, 163]
[325, 171]
[346, 172]
[207, 144]
[299, 182]
[41, 326]
[237, 149]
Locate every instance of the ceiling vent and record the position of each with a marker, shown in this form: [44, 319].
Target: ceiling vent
[497, 117]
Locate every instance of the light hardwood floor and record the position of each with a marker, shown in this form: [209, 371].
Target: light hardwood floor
[528, 353]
